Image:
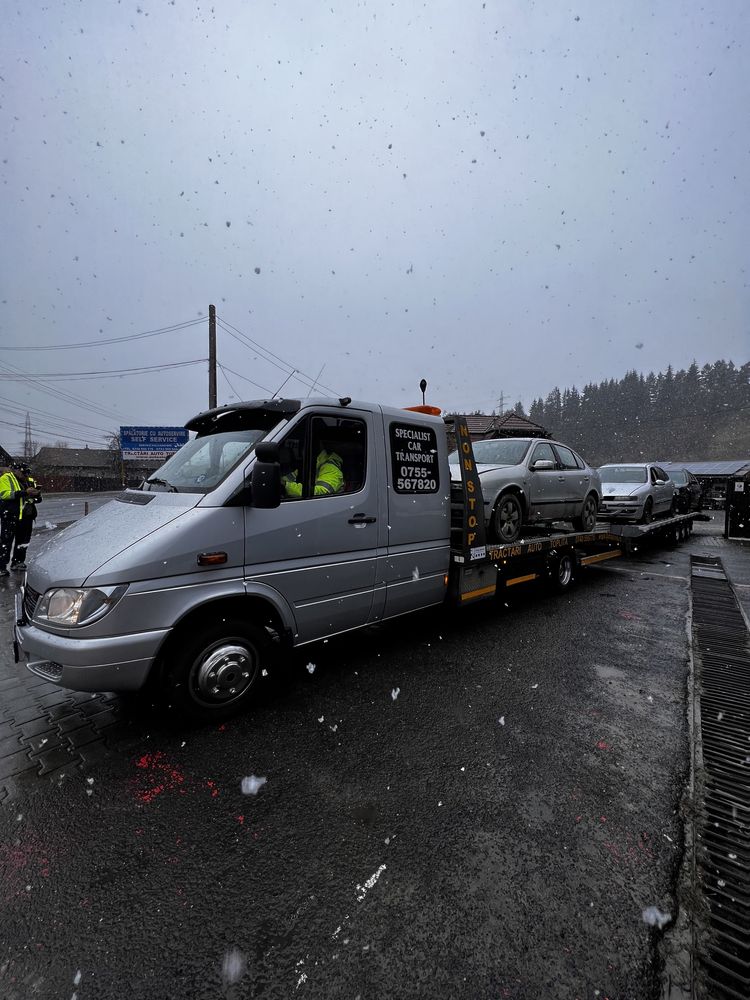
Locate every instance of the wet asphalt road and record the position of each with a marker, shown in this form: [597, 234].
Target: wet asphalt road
[474, 804]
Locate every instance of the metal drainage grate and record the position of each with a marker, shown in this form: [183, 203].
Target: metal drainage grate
[721, 645]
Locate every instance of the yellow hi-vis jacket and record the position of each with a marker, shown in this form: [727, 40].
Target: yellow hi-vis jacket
[328, 476]
[10, 491]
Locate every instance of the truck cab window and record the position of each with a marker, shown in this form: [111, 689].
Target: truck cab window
[324, 456]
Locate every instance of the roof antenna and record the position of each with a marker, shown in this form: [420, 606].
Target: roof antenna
[284, 383]
[423, 386]
[317, 377]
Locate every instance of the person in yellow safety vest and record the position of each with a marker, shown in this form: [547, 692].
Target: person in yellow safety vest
[25, 525]
[11, 505]
[328, 477]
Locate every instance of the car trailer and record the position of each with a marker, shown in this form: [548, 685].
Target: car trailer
[481, 569]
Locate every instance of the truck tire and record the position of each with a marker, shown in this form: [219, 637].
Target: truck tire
[587, 520]
[562, 571]
[214, 674]
[507, 519]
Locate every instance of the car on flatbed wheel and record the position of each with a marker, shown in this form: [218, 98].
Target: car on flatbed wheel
[527, 481]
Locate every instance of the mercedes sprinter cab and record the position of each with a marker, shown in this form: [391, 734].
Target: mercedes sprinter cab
[192, 581]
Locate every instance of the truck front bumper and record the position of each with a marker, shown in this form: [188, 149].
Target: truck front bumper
[115, 663]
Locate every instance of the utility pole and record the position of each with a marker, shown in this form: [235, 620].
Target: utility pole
[501, 403]
[211, 357]
[28, 447]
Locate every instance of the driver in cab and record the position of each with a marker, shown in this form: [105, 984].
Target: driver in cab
[328, 476]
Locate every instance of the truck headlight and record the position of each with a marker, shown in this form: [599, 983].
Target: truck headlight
[74, 606]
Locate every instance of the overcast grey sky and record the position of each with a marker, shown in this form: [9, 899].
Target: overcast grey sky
[499, 196]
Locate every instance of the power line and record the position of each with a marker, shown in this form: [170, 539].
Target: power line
[283, 365]
[54, 433]
[20, 408]
[112, 340]
[64, 397]
[246, 379]
[226, 379]
[107, 373]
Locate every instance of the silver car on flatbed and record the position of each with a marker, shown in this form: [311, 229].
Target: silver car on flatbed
[532, 481]
[636, 491]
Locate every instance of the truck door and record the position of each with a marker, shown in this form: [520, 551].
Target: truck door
[318, 549]
[418, 537]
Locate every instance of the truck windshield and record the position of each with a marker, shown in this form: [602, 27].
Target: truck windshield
[623, 474]
[679, 477]
[203, 462]
[504, 451]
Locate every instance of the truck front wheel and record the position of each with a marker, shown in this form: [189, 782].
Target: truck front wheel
[214, 673]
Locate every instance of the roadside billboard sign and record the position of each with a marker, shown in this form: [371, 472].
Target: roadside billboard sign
[149, 444]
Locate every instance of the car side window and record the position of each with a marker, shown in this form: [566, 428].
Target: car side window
[661, 474]
[323, 456]
[654, 477]
[567, 458]
[543, 453]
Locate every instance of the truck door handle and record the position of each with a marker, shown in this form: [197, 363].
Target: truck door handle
[362, 519]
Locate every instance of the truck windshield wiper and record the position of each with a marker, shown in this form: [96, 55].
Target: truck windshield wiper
[163, 482]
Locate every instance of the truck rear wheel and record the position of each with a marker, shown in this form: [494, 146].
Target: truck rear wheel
[214, 674]
[562, 571]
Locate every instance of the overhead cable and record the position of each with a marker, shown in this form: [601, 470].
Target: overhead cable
[271, 357]
[112, 340]
[107, 373]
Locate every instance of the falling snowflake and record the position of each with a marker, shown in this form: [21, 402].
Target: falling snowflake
[311, 668]
[653, 916]
[252, 785]
[395, 693]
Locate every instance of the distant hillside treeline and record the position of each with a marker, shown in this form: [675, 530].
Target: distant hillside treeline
[693, 415]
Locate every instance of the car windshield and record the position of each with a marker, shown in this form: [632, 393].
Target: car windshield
[203, 462]
[623, 474]
[503, 451]
[679, 477]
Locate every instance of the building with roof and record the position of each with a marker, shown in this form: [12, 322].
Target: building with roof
[713, 476]
[64, 470]
[482, 426]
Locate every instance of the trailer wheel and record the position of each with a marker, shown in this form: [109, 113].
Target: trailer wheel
[213, 674]
[507, 518]
[587, 520]
[563, 571]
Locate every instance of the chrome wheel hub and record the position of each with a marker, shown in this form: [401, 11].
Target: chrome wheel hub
[226, 673]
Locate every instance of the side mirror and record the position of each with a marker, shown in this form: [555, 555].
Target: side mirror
[543, 465]
[266, 476]
[660, 482]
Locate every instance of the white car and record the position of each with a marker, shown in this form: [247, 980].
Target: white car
[636, 491]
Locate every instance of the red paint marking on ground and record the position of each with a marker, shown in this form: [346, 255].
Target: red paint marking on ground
[212, 786]
[160, 776]
[241, 820]
[628, 615]
[603, 745]
[222, 728]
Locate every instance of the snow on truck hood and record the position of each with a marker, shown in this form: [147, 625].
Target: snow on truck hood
[67, 559]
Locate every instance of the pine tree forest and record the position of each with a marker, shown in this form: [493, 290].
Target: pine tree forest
[695, 415]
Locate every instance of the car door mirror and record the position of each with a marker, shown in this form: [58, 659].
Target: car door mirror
[660, 482]
[266, 476]
[542, 465]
